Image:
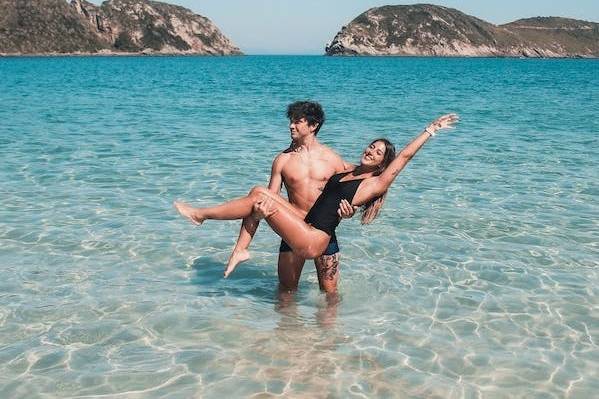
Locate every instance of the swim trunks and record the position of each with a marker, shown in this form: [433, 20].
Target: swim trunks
[332, 248]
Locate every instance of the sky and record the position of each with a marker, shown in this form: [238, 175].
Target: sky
[306, 26]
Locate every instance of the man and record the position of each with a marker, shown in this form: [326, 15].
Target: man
[304, 168]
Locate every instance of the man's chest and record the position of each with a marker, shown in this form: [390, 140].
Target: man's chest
[300, 169]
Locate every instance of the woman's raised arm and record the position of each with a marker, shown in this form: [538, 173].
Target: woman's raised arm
[390, 173]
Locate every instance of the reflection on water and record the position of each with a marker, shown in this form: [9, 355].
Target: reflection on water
[326, 308]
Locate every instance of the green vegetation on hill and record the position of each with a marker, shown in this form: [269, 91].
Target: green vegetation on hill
[30, 26]
[425, 29]
[55, 26]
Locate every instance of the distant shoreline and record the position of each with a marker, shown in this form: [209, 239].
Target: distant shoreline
[114, 54]
[146, 54]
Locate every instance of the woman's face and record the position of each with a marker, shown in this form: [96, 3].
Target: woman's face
[373, 154]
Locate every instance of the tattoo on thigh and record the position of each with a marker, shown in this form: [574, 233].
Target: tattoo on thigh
[328, 267]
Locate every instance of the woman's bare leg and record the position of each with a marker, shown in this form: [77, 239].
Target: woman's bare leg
[246, 234]
[305, 240]
[240, 252]
[189, 212]
[236, 209]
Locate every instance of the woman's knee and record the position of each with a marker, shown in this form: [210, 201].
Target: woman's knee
[258, 191]
[308, 252]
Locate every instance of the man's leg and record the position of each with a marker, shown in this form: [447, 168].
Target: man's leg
[290, 268]
[327, 267]
[327, 315]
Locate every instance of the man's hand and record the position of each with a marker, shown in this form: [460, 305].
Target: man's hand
[264, 208]
[346, 210]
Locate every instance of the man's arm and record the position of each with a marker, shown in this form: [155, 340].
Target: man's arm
[274, 185]
[340, 164]
[276, 178]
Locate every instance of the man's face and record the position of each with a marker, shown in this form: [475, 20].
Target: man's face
[299, 128]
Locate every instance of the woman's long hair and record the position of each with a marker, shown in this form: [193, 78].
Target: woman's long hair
[371, 209]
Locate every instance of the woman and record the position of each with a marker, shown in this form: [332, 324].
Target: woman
[365, 185]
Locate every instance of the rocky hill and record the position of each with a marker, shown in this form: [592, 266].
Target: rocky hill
[429, 30]
[117, 26]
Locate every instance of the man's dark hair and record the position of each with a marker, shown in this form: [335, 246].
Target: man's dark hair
[310, 110]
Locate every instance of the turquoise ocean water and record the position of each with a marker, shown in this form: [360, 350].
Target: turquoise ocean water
[479, 280]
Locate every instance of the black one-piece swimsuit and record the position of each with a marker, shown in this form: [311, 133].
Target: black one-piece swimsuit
[323, 214]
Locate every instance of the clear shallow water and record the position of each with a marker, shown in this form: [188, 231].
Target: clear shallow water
[479, 280]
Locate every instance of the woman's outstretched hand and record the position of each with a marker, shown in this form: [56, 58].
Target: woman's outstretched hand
[443, 122]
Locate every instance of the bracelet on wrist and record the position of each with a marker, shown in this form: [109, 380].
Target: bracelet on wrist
[431, 132]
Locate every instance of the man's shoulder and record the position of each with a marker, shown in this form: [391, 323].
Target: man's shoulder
[282, 157]
[329, 152]
[283, 154]
[326, 148]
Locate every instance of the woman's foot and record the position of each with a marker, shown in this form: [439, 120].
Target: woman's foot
[236, 258]
[189, 212]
